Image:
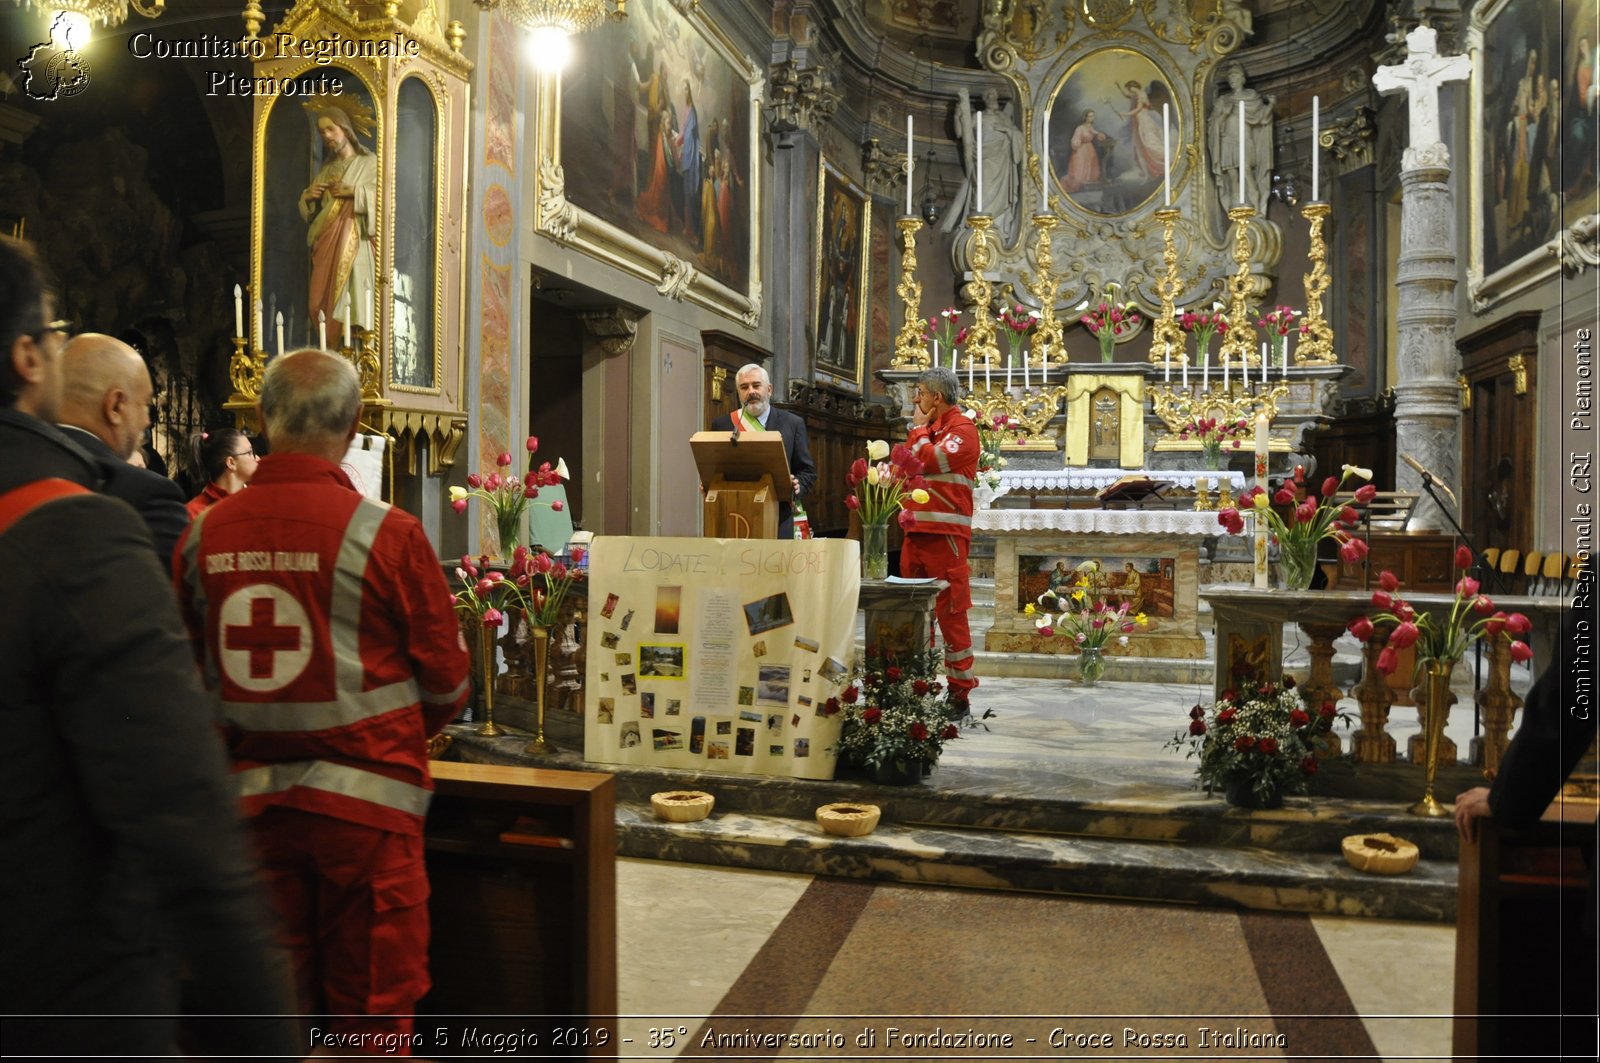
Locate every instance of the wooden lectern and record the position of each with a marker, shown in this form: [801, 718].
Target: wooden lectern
[746, 476]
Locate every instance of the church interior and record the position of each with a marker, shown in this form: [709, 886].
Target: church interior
[1184, 261]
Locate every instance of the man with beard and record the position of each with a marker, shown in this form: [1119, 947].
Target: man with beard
[756, 414]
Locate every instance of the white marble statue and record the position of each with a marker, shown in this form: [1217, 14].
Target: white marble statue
[1420, 78]
[1002, 166]
[1222, 140]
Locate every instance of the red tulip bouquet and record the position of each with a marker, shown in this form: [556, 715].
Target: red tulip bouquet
[1308, 519]
[508, 494]
[1213, 434]
[1203, 325]
[1110, 320]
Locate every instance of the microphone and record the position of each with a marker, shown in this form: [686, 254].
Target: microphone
[1431, 479]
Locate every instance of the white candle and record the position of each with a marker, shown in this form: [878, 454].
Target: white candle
[1044, 172]
[280, 332]
[1264, 361]
[988, 385]
[349, 334]
[1008, 374]
[1205, 374]
[936, 355]
[1285, 366]
[1025, 381]
[1044, 366]
[969, 371]
[1224, 374]
[1316, 130]
[372, 311]
[322, 330]
[1166, 358]
[261, 333]
[1240, 104]
[1263, 426]
[238, 310]
[1166, 154]
[910, 157]
[978, 199]
[1185, 368]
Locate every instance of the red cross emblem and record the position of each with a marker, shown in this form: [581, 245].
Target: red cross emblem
[265, 637]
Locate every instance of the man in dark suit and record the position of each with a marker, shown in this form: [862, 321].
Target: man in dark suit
[105, 409]
[755, 414]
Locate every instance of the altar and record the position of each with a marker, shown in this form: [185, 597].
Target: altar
[1149, 558]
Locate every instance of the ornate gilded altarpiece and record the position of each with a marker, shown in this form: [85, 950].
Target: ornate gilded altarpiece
[404, 99]
[1062, 60]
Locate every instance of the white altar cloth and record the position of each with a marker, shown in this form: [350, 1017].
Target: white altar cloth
[1087, 479]
[1098, 521]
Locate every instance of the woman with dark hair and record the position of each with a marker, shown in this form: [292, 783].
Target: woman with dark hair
[227, 459]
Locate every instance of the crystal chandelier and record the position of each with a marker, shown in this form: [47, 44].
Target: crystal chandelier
[551, 24]
[71, 20]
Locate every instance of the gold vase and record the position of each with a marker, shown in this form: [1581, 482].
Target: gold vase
[486, 649]
[1438, 707]
[541, 667]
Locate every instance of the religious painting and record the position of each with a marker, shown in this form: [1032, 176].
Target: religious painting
[657, 131]
[1536, 115]
[1103, 137]
[843, 223]
[1147, 584]
[319, 213]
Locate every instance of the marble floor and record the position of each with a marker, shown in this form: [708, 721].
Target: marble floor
[706, 950]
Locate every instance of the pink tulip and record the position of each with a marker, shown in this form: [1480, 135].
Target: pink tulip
[1403, 636]
[1463, 557]
[1466, 587]
[492, 482]
[1351, 551]
[504, 459]
[484, 586]
[1366, 493]
[492, 617]
[578, 554]
[1329, 486]
[1482, 605]
[558, 505]
[1382, 599]
[1518, 624]
[459, 505]
[530, 491]
[532, 444]
[474, 480]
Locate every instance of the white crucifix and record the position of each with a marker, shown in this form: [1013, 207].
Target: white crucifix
[1420, 77]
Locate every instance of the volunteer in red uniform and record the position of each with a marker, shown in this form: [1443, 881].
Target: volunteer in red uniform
[324, 622]
[939, 531]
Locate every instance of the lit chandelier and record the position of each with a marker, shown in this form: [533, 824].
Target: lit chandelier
[551, 24]
[71, 20]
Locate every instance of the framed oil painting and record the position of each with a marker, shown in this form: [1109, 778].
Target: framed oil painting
[654, 168]
[1103, 132]
[1147, 584]
[1535, 104]
[843, 224]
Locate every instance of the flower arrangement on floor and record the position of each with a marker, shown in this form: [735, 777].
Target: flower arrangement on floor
[945, 335]
[893, 720]
[1109, 320]
[1277, 324]
[1445, 637]
[1257, 743]
[1213, 435]
[1203, 325]
[1309, 520]
[509, 495]
[1083, 613]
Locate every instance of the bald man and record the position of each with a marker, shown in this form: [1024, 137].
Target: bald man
[105, 409]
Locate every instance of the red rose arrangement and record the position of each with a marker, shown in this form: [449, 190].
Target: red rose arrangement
[891, 711]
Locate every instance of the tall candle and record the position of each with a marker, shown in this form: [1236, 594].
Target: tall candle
[261, 333]
[1044, 171]
[1264, 361]
[936, 355]
[1185, 368]
[349, 334]
[280, 332]
[1008, 374]
[1205, 374]
[1263, 427]
[1240, 104]
[970, 381]
[1166, 358]
[1025, 373]
[1224, 374]
[910, 157]
[988, 385]
[1284, 368]
[322, 330]
[978, 199]
[1316, 130]
[238, 310]
[1044, 366]
[1166, 154]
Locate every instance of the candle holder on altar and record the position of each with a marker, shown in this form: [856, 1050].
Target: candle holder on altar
[1316, 348]
[245, 371]
[910, 349]
[363, 354]
[980, 346]
[1031, 408]
[1178, 406]
[1236, 347]
[1048, 336]
[1165, 335]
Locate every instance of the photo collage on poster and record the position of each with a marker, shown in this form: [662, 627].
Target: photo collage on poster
[732, 677]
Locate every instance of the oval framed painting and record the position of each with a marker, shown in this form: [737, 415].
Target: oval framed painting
[1103, 131]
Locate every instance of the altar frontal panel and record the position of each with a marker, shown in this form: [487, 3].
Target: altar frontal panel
[719, 653]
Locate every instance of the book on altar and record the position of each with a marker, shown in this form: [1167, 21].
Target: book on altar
[1135, 488]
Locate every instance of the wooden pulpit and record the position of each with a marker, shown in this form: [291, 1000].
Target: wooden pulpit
[745, 475]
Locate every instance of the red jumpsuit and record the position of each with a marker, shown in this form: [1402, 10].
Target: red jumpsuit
[940, 532]
[323, 620]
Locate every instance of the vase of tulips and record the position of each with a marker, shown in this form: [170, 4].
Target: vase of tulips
[879, 484]
[1306, 519]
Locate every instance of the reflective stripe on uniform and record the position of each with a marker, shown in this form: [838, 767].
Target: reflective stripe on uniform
[333, 778]
[942, 457]
[448, 698]
[351, 706]
[344, 606]
[951, 478]
[958, 673]
[928, 516]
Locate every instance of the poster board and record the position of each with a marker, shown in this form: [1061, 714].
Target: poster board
[719, 654]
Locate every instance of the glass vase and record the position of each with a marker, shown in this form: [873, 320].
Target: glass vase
[1438, 707]
[1212, 453]
[1297, 564]
[509, 528]
[1091, 666]
[875, 550]
[1108, 345]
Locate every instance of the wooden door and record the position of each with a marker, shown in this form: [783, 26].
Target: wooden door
[1499, 416]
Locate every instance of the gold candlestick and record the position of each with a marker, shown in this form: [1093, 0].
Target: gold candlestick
[1166, 336]
[1032, 408]
[980, 346]
[910, 350]
[363, 354]
[1236, 348]
[245, 369]
[1317, 347]
[1048, 337]
[1238, 402]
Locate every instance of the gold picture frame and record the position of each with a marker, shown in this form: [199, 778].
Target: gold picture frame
[840, 277]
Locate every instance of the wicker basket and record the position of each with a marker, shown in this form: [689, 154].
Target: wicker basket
[682, 806]
[848, 820]
[1381, 854]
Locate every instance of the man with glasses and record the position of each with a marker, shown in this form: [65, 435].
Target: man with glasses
[939, 531]
[122, 859]
[105, 409]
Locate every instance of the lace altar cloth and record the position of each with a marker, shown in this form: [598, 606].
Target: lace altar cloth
[1099, 521]
[1095, 479]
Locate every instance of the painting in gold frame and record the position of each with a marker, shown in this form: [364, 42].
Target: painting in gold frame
[844, 218]
[1104, 128]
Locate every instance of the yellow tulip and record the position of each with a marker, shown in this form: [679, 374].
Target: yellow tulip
[1029, 610]
[872, 475]
[457, 493]
[919, 496]
[877, 449]
[1262, 501]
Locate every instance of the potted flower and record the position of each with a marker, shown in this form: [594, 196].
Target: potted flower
[878, 484]
[1441, 639]
[1203, 325]
[1276, 325]
[1306, 519]
[946, 335]
[1018, 322]
[1110, 320]
[893, 721]
[508, 494]
[1257, 743]
[1082, 612]
[1212, 434]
